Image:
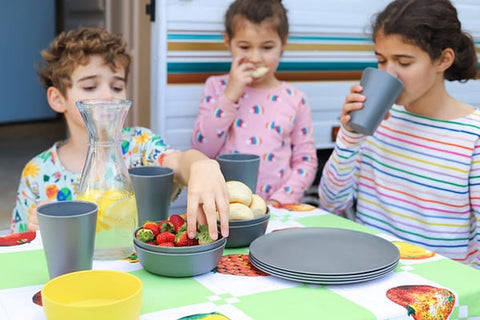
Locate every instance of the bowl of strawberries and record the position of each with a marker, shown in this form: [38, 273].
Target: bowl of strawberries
[164, 248]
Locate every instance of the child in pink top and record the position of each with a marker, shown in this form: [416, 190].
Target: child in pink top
[250, 112]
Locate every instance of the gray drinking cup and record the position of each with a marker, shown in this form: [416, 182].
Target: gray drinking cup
[241, 167]
[153, 192]
[381, 90]
[67, 229]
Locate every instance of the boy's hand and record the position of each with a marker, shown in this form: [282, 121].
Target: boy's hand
[33, 219]
[240, 76]
[207, 198]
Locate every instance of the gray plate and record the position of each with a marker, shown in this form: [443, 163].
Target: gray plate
[323, 280]
[324, 251]
[349, 277]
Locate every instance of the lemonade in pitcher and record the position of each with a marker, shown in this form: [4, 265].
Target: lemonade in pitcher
[105, 179]
[116, 222]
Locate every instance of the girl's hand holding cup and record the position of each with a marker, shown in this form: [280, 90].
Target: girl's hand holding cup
[379, 91]
[353, 101]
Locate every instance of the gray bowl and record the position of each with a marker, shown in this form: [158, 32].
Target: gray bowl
[180, 264]
[189, 249]
[243, 234]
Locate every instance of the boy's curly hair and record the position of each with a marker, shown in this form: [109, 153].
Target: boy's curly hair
[73, 48]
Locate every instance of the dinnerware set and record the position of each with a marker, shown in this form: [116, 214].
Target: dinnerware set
[324, 255]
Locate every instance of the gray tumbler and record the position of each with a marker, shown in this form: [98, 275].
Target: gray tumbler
[241, 167]
[381, 90]
[153, 192]
[67, 229]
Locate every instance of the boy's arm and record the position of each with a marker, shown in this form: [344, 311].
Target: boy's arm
[215, 117]
[207, 191]
[25, 205]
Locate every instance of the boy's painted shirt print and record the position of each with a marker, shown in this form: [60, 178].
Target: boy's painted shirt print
[44, 178]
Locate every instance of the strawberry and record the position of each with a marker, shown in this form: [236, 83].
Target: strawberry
[165, 237]
[161, 222]
[167, 226]
[145, 235]
[182, 240]
[167, 244]
[177, 221]
[203, 235]
[151, 242]
[152, 226]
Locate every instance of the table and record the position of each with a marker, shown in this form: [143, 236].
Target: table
[23, 272]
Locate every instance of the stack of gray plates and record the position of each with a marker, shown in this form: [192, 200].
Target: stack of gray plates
[324, 255]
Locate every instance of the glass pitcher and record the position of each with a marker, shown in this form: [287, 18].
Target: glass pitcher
[105, 179]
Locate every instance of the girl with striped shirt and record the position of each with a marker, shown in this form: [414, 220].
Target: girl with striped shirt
[418, 176]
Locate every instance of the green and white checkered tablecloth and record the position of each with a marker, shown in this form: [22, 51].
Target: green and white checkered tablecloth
[23, 272]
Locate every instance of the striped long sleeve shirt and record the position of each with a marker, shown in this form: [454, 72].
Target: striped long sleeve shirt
[416, 178]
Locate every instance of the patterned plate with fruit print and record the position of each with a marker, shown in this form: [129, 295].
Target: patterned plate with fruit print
[238, 265]
[422, 301]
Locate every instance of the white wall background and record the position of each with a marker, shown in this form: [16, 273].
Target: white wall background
[174, 106]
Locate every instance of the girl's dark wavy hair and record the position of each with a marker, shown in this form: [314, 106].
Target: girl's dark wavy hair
[257, 11]
[432, 26]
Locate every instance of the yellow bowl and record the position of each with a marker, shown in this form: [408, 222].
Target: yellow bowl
[92, 295]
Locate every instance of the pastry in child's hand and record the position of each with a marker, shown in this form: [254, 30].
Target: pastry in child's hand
[239, 211]
[259, 72]
[258, 206]
[239, 192]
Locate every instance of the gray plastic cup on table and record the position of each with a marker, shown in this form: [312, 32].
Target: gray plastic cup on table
[381, 90]
[67, 229]
[241, 167]
[153, 192]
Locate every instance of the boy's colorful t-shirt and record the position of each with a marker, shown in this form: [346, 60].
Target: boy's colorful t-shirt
[44, 179]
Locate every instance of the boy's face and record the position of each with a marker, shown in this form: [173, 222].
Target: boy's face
[94, 80]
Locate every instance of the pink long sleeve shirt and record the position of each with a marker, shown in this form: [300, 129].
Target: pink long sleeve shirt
[273, 123]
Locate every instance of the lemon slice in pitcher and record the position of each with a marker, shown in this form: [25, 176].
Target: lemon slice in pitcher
[115, 208]
[121, 214]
